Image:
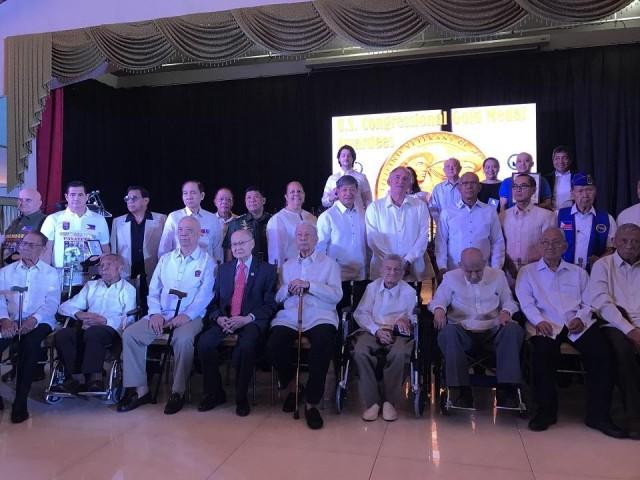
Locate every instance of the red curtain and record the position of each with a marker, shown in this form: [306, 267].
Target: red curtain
[49, 151]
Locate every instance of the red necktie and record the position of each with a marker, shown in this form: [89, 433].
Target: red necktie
[238, 290]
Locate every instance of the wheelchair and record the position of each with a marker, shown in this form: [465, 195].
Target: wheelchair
[482, 374]
[418, 365]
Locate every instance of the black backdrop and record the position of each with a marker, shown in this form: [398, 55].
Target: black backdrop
[268, 131]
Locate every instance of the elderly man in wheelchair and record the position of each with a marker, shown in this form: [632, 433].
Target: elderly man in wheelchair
[385, 316]
[473, 310]
[99, 313]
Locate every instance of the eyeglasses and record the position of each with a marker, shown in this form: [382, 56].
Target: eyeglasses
[239, 244]
[31, 245]
[131, 198]
[522, 186]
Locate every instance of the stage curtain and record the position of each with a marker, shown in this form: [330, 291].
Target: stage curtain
[269, 131]
[572, 10]
[49, 150]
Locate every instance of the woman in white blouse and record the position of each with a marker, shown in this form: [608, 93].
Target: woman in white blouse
[346, 158]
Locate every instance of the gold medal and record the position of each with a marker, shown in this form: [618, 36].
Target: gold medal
[426, 154]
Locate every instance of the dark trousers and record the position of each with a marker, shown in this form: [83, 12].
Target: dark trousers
[595, 357]
[84, 351]
[28, 355]
[243, 358]
[627, 370]
[323, 340]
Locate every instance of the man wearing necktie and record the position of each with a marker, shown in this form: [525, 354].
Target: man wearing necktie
[242, 305]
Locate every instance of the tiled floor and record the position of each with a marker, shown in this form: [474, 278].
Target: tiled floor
[87, 440]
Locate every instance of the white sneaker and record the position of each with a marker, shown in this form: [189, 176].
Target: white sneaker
[371, 413]
[389, 413]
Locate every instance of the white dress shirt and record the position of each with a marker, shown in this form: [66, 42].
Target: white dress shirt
[42, 297]
[444, 195]
[463, 227]
[382, 307]
[319, 303]
[364, 197]
[556, 297]
[193, 274]
[474, 306]
[401, 230]
[522, 229]
[342, 236]
[562, 190]
[70, 234]
[210, 228]
[615, 282]
[281, 234]
[112, 302]
[583, 223]
[630, 215]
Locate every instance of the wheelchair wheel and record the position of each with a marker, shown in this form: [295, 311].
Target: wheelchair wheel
[52, 399]
[341, 393]
[419, 402]
[116, 387]
[443, 402]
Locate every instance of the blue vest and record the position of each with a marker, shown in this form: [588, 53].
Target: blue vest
[597, 241]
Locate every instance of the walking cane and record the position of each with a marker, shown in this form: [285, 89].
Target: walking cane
[21, 291]
[296, 412]
[165, 354]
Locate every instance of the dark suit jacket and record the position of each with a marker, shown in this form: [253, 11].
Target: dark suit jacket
[258, 297]
[551, 178]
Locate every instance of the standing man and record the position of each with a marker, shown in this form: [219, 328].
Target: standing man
[553, 297]
[613, 290]
[523, 224]
[41, 301]
[346, 158]
[282, 226]
[473, 306]
[224, 203]
[631, 214]
[589, 232]
[446, 193]
[317, 278]
[255, 220]
[189, 269]
[243, 305]
[385, 315]
[29, 220]
[210, 238]
[71, 233]
[560, 179]
[342, 236]
[524, 164]
[398, 224]
[136, 237]
[469, 223]
[101, 308]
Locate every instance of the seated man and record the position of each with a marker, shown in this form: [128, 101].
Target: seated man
[191, 270]
[41, 301]
[101, 308]
[384, 315]
[473, 307]
[614, 294]
[552, 295]
[314, 279]
[243, 304]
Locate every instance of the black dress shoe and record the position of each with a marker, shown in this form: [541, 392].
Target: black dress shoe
[19, 414]
[314, 420]
[70, 386]
[289, 404]
[242, 408]
[132, 401]
[541, 422]
[506, 397]
[210, 401]
[174, 404]
[1, 404]
[96, 386]
[462, 397]
[608, 428]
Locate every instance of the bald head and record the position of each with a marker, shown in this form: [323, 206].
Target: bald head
[472, 263]
[524, 162]
[627, 242]
[242, 244]
[469, 187]
[29, 201]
